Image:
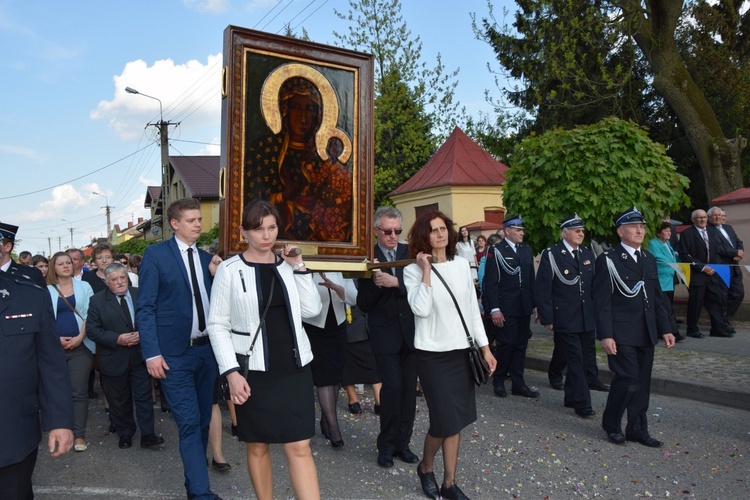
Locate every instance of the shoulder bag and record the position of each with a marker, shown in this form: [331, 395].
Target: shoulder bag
[244, 359]
[480, 370]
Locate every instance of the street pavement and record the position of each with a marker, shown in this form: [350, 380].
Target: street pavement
[517, 448]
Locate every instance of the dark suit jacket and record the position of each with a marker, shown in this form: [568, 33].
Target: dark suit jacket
[16, 270]
[512, 294]
[692, 249]
[33, 372]
[636, 321]
[570, 308]
[730, 248]
[164, 310]
[389, 317]
[104, 323]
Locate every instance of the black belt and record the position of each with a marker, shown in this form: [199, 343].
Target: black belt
[199, 341]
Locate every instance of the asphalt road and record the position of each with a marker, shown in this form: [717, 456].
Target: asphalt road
[518, 448]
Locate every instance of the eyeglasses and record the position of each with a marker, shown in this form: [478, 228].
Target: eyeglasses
[389, 232]
[124, 262]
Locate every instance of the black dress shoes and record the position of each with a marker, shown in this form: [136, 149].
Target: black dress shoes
[616, 437]
[679, 338]
[695, 335]
[722, 334]
[376, 409]
[151, 440]
[585, 413]
[599, 386]
[647, 441]
[220, 466]
[385, 460]
[355, 408]
[558, 386]
[407, 456]
[452, 493]
[429, 484]
[500, 391]
[525, 392]
[337, 445]
[125, 442]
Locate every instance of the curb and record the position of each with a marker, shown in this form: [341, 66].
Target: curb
[671, 387]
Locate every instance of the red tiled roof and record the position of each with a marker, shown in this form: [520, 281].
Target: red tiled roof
[482, 225]
[741, 195]
[458, 162]
[199, 173]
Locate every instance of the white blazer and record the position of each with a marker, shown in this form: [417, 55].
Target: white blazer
[234, 314]
[339, 306]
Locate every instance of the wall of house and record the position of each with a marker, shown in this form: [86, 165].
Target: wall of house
[463, 204]
[210, 213]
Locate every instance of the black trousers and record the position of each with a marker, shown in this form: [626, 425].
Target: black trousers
[398, 399]
[630, 390]
[736, 293]
[510, 350]
[134, 385]
[558, 362]
[575, 354]
[713, 293]
[15, 479]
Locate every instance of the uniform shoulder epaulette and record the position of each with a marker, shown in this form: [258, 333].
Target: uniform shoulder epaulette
[25, 282]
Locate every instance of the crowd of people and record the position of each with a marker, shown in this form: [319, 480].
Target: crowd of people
[260, 329]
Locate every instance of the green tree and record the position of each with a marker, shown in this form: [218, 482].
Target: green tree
[595, 170]
[133, 246]
[414, 103]
[205, 239]
[574, 56]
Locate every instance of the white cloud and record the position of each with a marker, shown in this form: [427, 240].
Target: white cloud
[212, 6]
[65, 198]
[189, 94]
[28, 153]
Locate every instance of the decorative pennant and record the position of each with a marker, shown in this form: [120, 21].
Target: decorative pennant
[682, 271]
[723, 271]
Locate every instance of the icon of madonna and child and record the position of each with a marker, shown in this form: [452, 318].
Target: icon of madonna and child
[302, 166]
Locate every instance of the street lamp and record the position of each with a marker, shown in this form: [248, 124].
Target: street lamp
[107, 207]
[165, 181]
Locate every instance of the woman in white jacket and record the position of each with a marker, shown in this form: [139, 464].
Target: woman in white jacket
[258, 302]
[327, 333]
[441, 344]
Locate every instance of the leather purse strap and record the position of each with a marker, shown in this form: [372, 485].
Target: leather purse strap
[455, 302]
[68, 303]
[262, 318]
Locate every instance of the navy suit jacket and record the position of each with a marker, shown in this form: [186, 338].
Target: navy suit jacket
[164, 309]
[513, 294]
[389, 316]
[570, 308]
[730, 248]
[34, 375]
[104, 324]
[632, 321]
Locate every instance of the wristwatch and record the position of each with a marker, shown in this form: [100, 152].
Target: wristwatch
[297, 267]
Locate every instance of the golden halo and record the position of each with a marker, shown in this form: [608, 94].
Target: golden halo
[269, 101]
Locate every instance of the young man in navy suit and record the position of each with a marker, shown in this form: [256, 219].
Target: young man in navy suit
[171, 310]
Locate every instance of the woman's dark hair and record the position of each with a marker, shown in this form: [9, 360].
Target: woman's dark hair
[419, 236]
[482, 237]
[36, 259]
[255, 211]
[461, 236]
[664, 225]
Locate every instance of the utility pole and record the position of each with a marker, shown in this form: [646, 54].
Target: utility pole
[49, 242]
[71, 233]
[108, 210]
[166, 198]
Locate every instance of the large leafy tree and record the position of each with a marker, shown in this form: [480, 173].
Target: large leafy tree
[577, 60]
[414, 103]
[595, 170]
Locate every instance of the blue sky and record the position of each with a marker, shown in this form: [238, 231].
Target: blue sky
[68, 129]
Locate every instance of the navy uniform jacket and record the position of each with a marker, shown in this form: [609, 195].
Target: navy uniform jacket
[512, 294]
[389, 317]
[633, 321]
[104, 324]
[16, 270]
[34, 375]
[570, 308]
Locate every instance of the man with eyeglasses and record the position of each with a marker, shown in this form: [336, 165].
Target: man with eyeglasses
[699, 246]
[390, 323]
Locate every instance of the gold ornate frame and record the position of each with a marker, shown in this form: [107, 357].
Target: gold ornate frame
[256, 65]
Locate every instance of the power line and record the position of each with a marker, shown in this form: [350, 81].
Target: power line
[267, 13]
[277, 14]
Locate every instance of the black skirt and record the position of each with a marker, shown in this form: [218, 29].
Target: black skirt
[267, 416]
[329, 350]
[448, 387]
[359, 366]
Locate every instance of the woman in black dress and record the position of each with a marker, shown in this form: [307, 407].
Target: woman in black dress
[257, 304]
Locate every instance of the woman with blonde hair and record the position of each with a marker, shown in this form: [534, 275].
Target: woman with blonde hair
[70, 303]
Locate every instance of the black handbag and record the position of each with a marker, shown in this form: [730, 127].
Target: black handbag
[480, 370]
[244, 359]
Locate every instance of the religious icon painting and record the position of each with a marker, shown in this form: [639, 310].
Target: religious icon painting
[297, 131]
